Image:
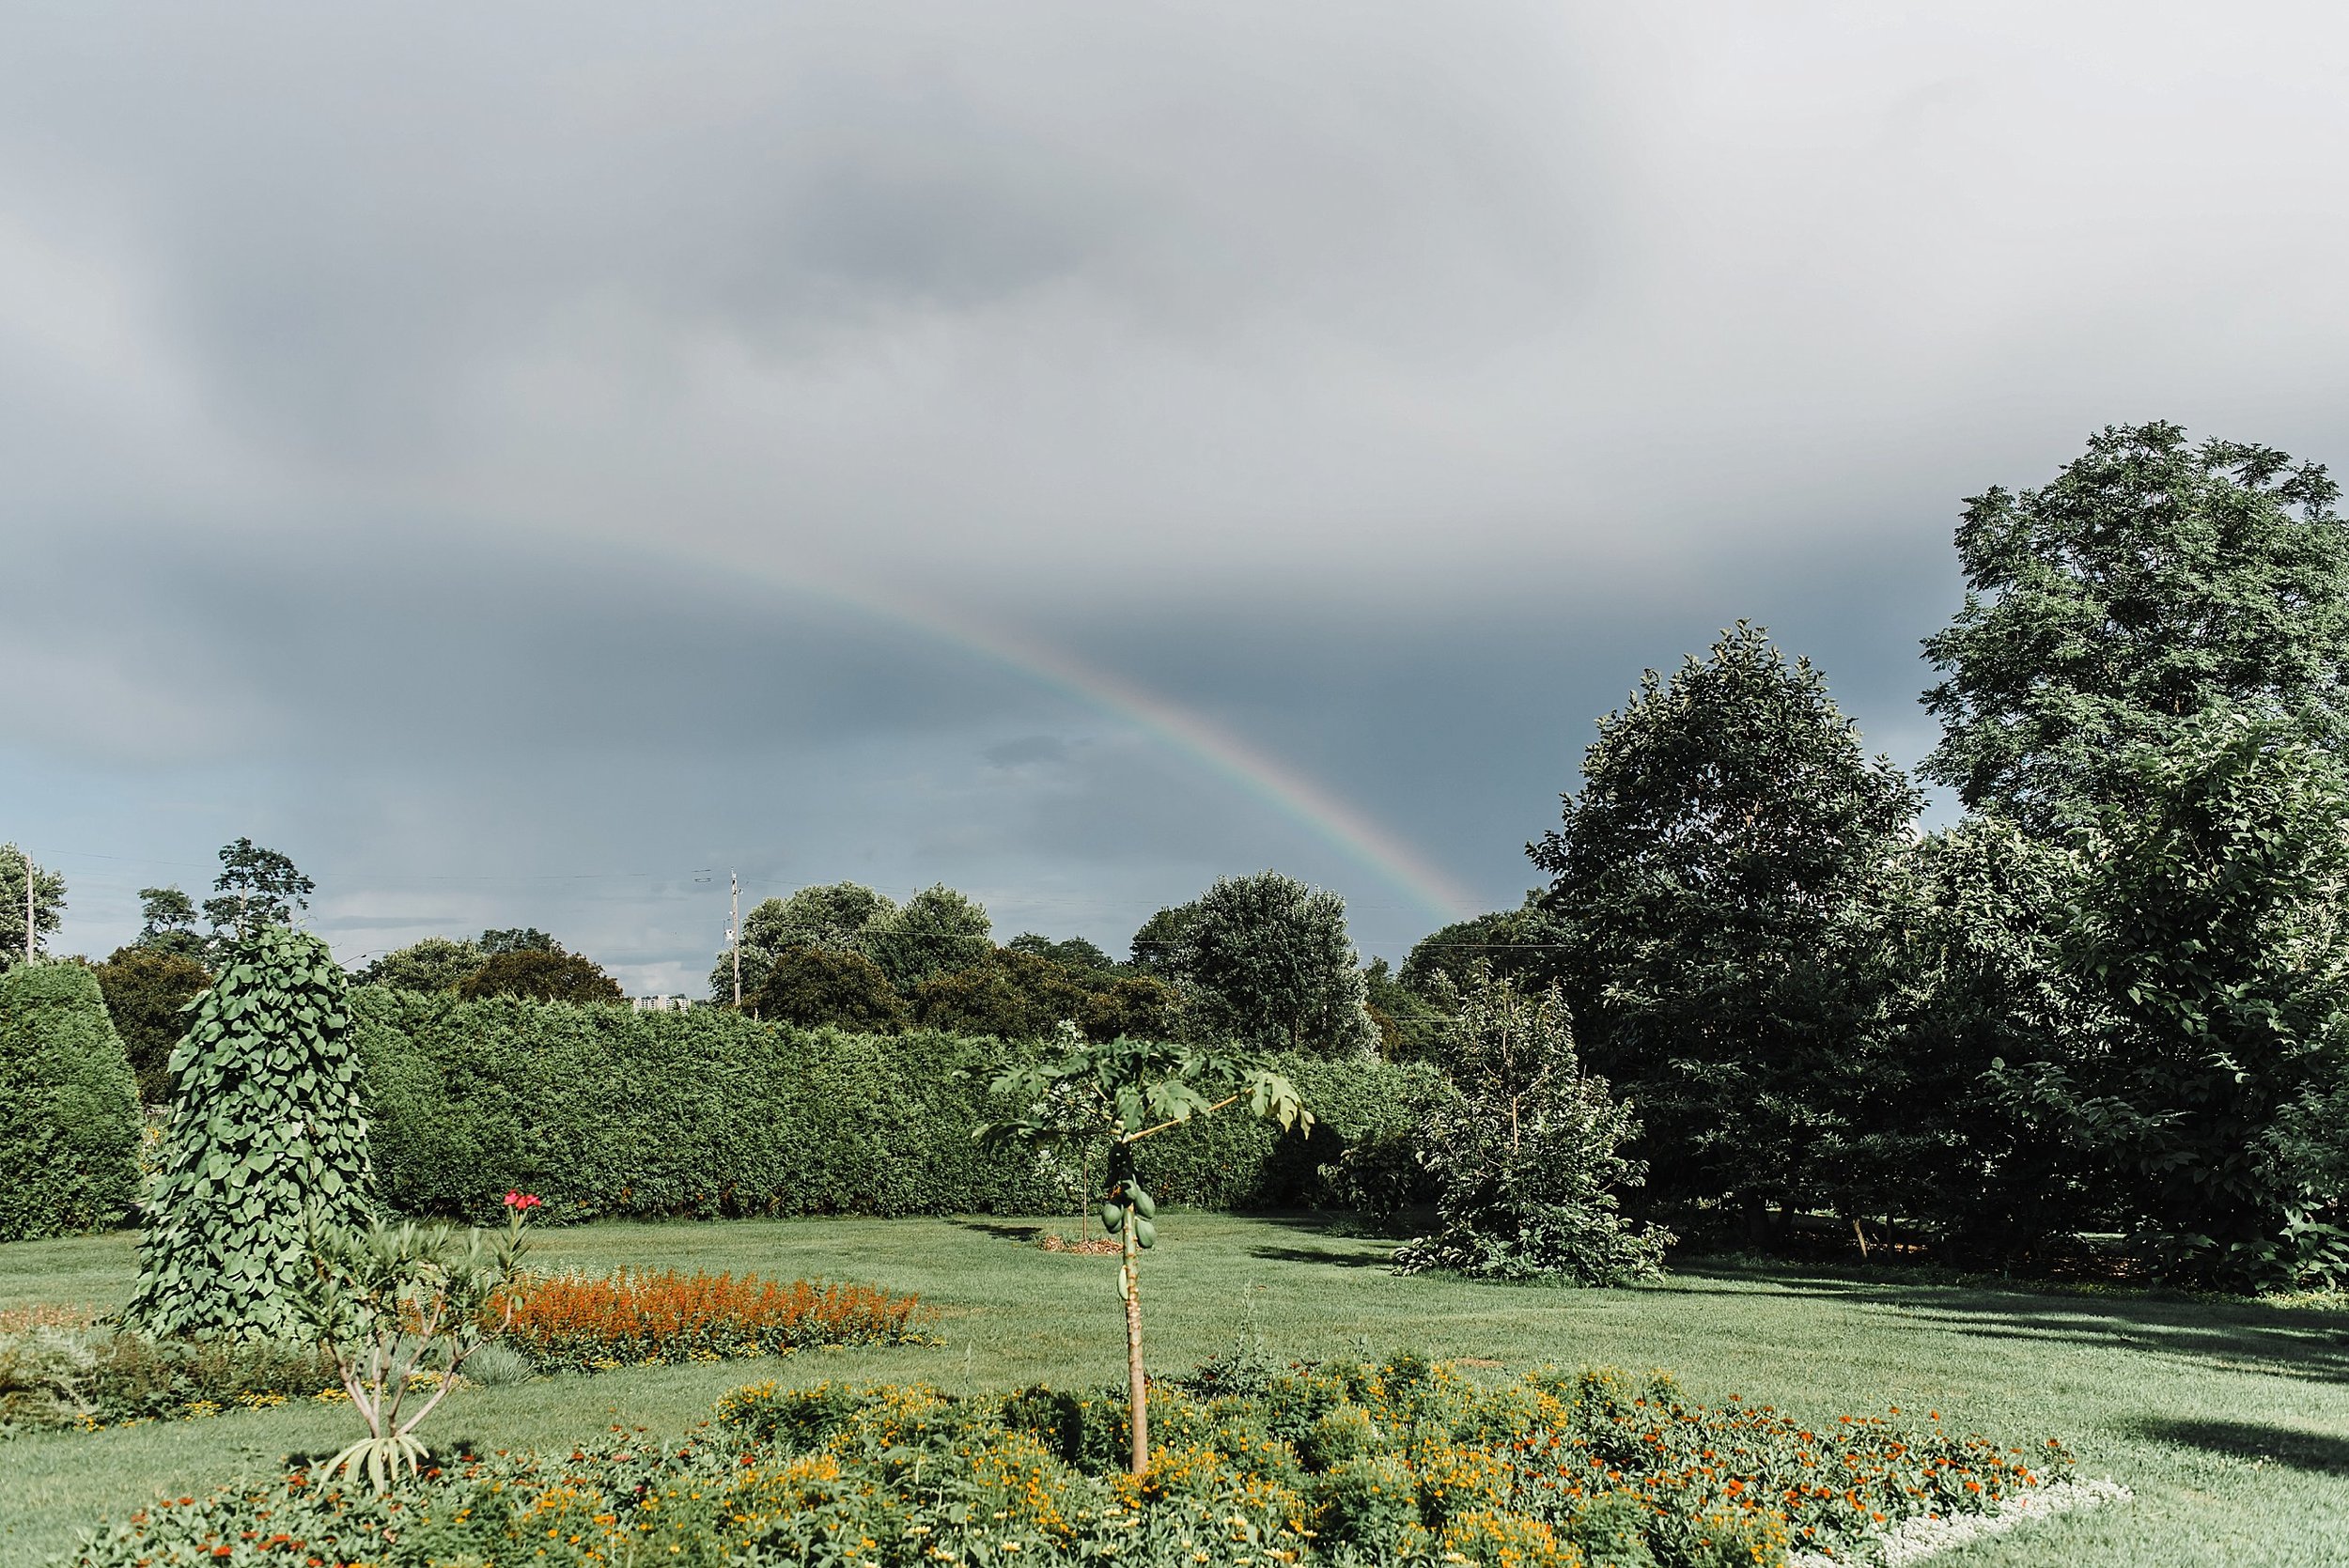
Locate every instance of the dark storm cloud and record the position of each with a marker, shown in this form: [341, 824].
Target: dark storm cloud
[457, 443]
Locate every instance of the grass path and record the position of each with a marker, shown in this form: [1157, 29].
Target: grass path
[2230, 1422]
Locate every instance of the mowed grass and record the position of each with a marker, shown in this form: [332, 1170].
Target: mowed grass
[2230, 1420]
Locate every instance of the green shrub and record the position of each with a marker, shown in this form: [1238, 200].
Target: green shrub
[68, 1106]
[265, 1121]
[63, 1375]
[148, 990]
[604, 1111]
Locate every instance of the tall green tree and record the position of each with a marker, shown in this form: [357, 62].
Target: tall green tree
[265, 1131]
[48, 904]
[833, 917]
[1717, 874]
[1271, 965]
[257, 887]
[69, 1107]
[816, 986]
[935, 930]
[1522, 944]
[2150, 579]
[2215, 932]
[167, 924]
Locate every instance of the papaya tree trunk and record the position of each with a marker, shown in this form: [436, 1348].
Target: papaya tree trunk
[1137, 1392]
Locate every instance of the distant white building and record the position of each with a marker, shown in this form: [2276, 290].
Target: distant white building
[661, 1004]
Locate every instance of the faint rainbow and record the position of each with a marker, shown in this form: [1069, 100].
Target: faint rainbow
[1307, 801]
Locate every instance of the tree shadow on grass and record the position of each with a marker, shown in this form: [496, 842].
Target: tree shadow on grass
[1361, 1257]
[2239, 1336]
[1002, 1232]
[2316, 1451]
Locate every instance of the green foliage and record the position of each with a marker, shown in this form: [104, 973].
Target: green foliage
[2212, 933]
[1527, 1161]
[434, 964]
[2149, 580]
[1158, 948]
[48, 904]
[811, 986]
[257, 887]
[517, 939]
[1272, 967]
[1021, 994]
[603, 1111]
[148, 990]
[68, 1106]
[66, 1374]
[543, 976]
[833, 917]
[935, 930]
[1719, 876]
[266, 1125]
[1409, 1022]
[1511, 944]
[1074, 953]
[1552, 1470]
[167, 922]
[390, 1303]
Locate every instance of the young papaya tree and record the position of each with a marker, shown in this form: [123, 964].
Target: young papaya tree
[1118, 1094]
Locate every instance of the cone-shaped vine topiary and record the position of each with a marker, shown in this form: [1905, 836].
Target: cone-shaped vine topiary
[265, 1119]
[68, 1106]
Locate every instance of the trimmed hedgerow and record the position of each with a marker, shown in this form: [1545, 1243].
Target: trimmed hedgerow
[68, 1106]
[1337, 1464]
[604, 1111]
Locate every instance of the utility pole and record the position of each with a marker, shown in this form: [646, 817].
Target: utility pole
[28, 903]
[734, 932]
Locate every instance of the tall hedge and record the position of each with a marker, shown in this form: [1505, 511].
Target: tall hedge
[601, 1110]
[265, 1121]
[68, 1106]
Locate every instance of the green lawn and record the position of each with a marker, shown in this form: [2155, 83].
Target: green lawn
[2230, 1422]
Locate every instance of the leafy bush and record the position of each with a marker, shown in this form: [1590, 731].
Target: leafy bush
[1527, 1157]
[814, 986]
[148, 990]
[66, 1372]
[69, 1111]
[586, 1323]
[265, 1127]
[606, 1112]
[1552, 1472]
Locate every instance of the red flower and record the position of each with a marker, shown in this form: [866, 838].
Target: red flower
[521, 1200]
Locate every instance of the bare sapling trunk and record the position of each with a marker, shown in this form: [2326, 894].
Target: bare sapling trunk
[1137, 1393]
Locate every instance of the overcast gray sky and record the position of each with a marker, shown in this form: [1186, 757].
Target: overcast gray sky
[525, 464]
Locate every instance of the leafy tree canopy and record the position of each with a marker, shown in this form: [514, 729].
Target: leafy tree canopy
[833, 916]
[1019, 994]
[935, 930]
[2149, 580]
[434, 964]
[1716, 874]
[1158, 947]
[2213, 931]
[1074, 953]
[255, 887]
[520, 938]
[811, 986]
[1508, 943]
[48, 904]
[543, 976]
[167, 922]
[147, 991]
[1271, 964]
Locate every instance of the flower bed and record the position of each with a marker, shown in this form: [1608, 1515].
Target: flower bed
[1335, 1464]
[587, 1322]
